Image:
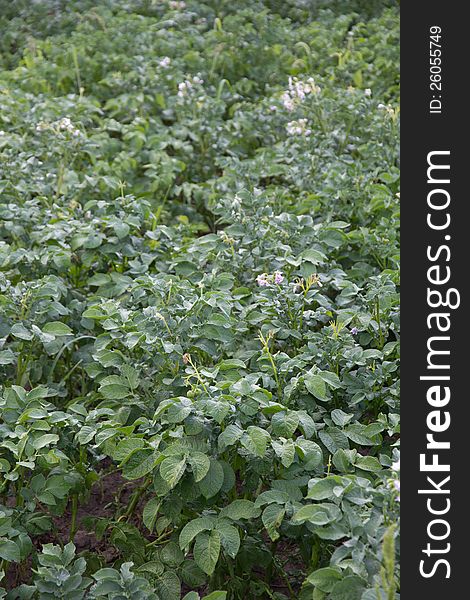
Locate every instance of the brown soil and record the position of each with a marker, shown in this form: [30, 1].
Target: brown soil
[106, 495]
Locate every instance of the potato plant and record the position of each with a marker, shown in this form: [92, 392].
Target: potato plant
[199, 301]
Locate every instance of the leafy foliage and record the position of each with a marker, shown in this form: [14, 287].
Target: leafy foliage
[199, 294]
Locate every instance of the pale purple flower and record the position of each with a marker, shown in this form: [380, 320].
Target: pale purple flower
[396, 487]
[395, 482]
[175, 5]
[265, 279]
[354, 331]
[165, 62]
[288, 102]
[185, 87]
[297, 92]
[298, 127]
[63, 124]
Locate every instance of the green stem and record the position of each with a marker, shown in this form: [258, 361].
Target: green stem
[135, 499]
[60, 179]
[270, 569]
[377, 313]
[77, 71]
[64, 347]
[160, 539]
[73, 524]
[198, 375]
[315, 556]
[70, 371]
[302, 310]
[19, 487]
[276, 377]
[286, 579]
[158, 213]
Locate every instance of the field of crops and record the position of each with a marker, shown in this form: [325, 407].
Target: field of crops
[199, 326]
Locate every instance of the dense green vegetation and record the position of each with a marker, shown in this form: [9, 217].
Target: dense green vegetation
[199, 326]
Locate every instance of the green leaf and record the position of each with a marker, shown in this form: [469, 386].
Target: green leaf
[178, 412]
[154, 567]
[140, 463]
[200, 464]
[330, 378]
[310, 452]
[342, 460]
[193, 528]
[270, 496]
[350, 588]
[217, 409]
[7, 357]
[306, 424]
[130, 375]
[121, 229]
[239, 509]
[314, 256]
[85, 435]
[38, 392]
[57, 328]
[356, 433]
[57, 486]
[171, 554]
[45, 440]
[325, 579]
[255, 440]
[192, 574]
[285, 450]
[334, 439]
[126, 447]
[168, 586]
[150, 513]
[9, 551]
[114, 388]
[323, 488]
[229, 476]
[272, 518]
[316, 386]
[211, 484]
[368, 463]
[206, 550]
[284, 424]
[341, 418]
[357, 78]
[229, 436]
[231, 363]
[172, 469]
[317, 514]
[19, 331]
[229, 537]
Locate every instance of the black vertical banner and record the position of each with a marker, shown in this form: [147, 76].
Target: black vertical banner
[435, 327]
